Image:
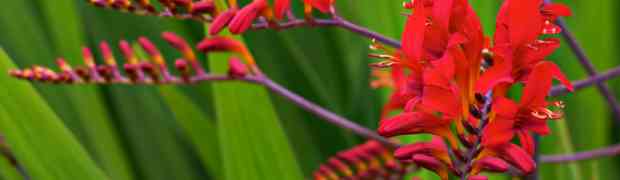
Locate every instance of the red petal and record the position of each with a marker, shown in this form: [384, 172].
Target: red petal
[281, 7]
[498, 132]
[477, 177]
[442, 72]
[321, 5]
[497, 74]
[502, 35]
[432, 164]
[493, 164]
[442, 10]
[539, 50]
[441, 99]
[525, 22]
[506, 108]
[539, 83]
[221, 21]
[246, 16]
[527, 141]
[413, 35]
[556, 9]
[411, 123]
[536, 125]
[518, 157]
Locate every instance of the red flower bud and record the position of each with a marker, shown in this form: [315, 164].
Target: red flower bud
[492, 164]
[221, 21]
[128, 52]
[246, 16]
[204, 6]
[431, 163]
[477, 178]
[179, 44]
[236, 68]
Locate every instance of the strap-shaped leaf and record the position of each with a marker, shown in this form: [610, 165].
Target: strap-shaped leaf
[39, 140]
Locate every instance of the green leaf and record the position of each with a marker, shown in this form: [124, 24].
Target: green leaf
[249, 130]
[98, 133]
[199, 127]
[39, 140]
[590, 127]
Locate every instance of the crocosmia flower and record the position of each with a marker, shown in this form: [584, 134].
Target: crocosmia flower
[451, 81]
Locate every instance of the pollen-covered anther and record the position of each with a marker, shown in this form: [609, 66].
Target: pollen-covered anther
[544, 113]
[382, 64]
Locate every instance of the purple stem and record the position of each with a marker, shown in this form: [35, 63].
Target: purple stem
[336, 21]
[589, 67]
[610, 74]
[324, 113]
[586, 155]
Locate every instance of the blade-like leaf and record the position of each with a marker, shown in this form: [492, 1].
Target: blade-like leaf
[199, 128]
[249, 130]
[39, 140]
[99, 135]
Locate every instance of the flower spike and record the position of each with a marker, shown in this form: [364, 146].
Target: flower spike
[447, 76]
[135, 71]
[366, 161]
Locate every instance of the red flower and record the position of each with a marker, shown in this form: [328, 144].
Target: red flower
[529, 115]
[512, 154]
[416, 123]
[322, 5]
[516, 46]
[281, 7]
[246, 16]
[446, 65]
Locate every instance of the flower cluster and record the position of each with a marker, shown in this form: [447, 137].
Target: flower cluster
[370, 160]
[449, 75]
[237, 19]
[152, 69]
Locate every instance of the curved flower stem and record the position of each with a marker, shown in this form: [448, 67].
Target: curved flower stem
[336, 21]
[560, 89]
[323, 113]
[586, 155]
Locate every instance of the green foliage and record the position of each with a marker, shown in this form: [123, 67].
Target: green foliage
[39, 140]
[237, 130]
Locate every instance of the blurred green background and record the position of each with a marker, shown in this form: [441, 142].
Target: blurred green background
[238, 131]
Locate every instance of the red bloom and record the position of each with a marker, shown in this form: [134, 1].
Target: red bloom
[529, 115]
[281, 7]
[516, 46]
[416, 123]
[322, 5]
[446, 65]
[246, 16]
